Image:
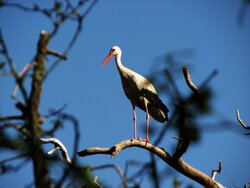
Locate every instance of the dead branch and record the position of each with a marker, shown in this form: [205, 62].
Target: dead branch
[19, 128]
[42, 178]
[11, 64]
[58, 145]
[56, 54]
[215, 172]
[7, 118]
[178, 164]
[241, 121]
[13, 158]
[79, 19]
[21, 76]
[189, 81]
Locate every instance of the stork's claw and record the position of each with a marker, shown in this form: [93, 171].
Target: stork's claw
[141, 140]
[145, 140]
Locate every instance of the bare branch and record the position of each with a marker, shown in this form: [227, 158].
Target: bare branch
[96, 183]
[19, 128]
[7, 55]
[177, 138]
[25, 69]
[189, 81]
[57, 54]
[53, 112]
[215, 172]
[12, 66]
[22, 7]
[42, 178]
[58, 145]
[7, 118]
[21, 76]
[241, 121]
[177, 164]
[117, 169]
[77, 32]
[14, 168]
[208, 79]
[113, 151]
[13, 158]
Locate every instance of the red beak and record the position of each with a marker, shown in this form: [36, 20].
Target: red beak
[110, 55]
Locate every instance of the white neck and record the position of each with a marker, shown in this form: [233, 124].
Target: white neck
[118, 62]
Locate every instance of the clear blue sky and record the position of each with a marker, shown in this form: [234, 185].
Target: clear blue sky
[144, 30]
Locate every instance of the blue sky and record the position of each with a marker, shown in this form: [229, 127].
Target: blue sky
[144, 30]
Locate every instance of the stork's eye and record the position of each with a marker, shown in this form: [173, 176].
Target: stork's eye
[113, 50]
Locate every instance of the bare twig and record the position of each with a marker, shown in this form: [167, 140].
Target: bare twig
[25, 69]
[241, 121]
[35, 8]
[21, 77]
[189, 81]
[95, 182]
[177, 138]
[12, 66]
[19, 128]
[7, 118]
[215, 172]
[14, 168]
[13, 158]
[53, 112]
[178, 164]
[77, 32]
[117, 169]
[58, 145]
[208, 79]
[57, 54]
[7, 55]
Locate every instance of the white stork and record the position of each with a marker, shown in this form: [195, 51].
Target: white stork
[139, 91]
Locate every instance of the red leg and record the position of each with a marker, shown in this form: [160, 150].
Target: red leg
[134, 119]
[147, 123]
[147, 120]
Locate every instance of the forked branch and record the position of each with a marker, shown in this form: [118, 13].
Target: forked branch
[58, 145]
[178, 164]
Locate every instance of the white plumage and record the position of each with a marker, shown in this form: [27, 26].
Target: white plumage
[139, 91]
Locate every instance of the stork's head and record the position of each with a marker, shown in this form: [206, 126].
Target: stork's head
[114, 51]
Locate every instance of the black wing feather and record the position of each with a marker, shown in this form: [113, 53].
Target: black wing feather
[156, 102]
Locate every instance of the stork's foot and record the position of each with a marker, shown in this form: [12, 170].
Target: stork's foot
[132, 139]
[145, 140]
[141, 140]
